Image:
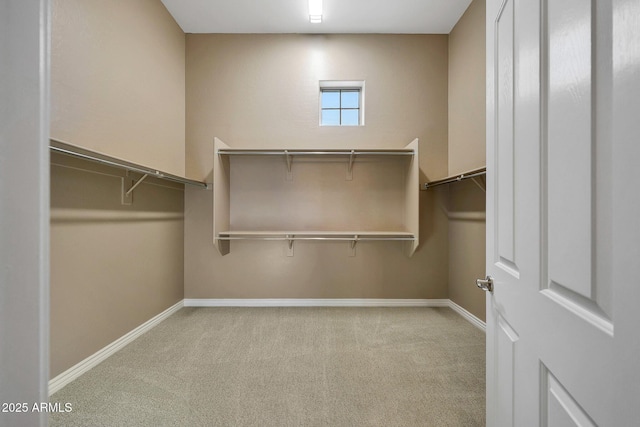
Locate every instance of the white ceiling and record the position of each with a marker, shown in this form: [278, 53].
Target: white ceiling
[339, 16]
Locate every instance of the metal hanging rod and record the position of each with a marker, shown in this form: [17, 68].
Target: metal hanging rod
[348, 239]
[83, 153]
[455, 178]
[398, 152]
[315, 235]
[290, 238]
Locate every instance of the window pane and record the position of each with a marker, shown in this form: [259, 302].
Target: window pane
[331, 117]
[330, 99]
[350, 99]
[350, 117]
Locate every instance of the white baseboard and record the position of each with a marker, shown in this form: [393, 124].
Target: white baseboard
[334, 302]
[315, 302]
[75, 371]
[470, 317]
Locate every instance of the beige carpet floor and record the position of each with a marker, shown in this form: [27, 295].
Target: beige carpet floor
[289, 367]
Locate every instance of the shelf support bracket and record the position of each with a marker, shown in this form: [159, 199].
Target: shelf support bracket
[289, 159]
[128, 185]
[138, 182]
[352, 248]
[482, 186]
[289, 245]
[352, 158]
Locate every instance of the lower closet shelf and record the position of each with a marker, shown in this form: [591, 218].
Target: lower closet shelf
[290, 236]
[326, 235]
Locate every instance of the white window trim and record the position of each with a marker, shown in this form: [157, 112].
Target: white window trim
[341, 84]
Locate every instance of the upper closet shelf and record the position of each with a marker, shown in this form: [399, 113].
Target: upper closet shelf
[83, 153]
[350, 154]
[455, 178]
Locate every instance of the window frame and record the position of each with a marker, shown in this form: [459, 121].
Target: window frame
[342, 86]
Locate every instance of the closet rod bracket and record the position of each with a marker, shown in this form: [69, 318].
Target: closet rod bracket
[352, 158]
[480, 182]
[138, 182]
[289, 159]
[352, 246]
[128, 185]
[290, 239]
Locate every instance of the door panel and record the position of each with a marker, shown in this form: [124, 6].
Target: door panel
[505, 254]
[577, 216]
[568, 30]
[561, 408]
[505, 358]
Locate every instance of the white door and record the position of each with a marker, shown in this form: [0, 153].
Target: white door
[553, 198]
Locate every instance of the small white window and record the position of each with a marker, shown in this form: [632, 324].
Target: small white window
[341, 103]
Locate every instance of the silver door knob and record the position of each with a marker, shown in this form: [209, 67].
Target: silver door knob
[485, 284]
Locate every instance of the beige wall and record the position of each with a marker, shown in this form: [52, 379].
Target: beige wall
[113, 267]
[117, 87]
[467, 91]
[467, 220]
[466, 152]
[262, 91]
[117, 74]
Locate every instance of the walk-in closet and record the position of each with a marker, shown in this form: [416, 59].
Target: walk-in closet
[319, 212]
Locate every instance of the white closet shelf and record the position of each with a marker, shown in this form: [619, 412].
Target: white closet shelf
[315, 235]
[353, 237]
[455, 178]
[72, 150]
[303, 152]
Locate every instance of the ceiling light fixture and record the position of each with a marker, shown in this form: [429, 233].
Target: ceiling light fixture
[315, 11]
